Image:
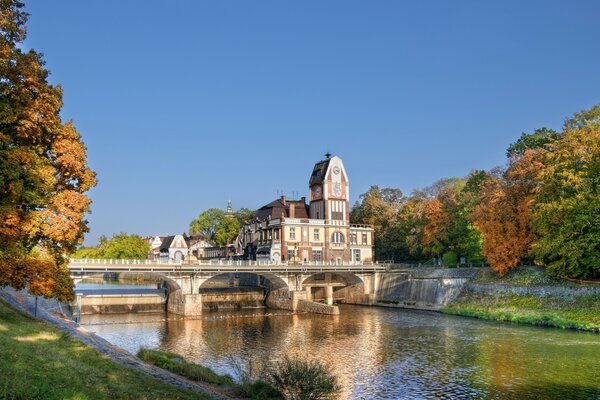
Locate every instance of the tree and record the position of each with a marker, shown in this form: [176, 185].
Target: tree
[584, 118]
[227, 230]
[504, 214]
[245, 216]
[43, 170]
[539, 139]
[207, 223]
[124, 246]
[121, 246]
[567, 210]
[380, 207]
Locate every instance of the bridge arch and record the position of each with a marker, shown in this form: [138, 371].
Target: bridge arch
[338, 286]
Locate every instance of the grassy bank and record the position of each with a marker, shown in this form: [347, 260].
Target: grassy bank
[172, 362]
[570, 311]
[39, 361]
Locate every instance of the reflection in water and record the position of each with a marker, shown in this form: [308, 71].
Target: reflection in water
[381, 353]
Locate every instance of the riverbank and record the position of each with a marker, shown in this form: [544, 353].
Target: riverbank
[50, 358]
[529, 296]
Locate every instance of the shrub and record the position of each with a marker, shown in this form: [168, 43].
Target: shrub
[450, 259]
[304, 380]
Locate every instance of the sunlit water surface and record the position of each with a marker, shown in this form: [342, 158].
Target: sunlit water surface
[380, 353]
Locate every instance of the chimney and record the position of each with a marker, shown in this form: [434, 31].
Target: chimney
[292, 211]
[283, 200]
[303, 199]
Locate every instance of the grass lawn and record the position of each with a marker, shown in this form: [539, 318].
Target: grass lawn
[577, 312]
[39, 361]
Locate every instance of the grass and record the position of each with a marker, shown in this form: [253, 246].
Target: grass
[39, 361]
[259, 389]
[569, 312]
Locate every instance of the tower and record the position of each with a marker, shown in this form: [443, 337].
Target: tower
[329, 191]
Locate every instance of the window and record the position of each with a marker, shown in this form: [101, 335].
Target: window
[276, 234]
[353, 237]
[291, 255]
[356, 255]
[317, 255]
[337, 237]
[316, 234]
[364, 238]
[337, 215]
[292, 233]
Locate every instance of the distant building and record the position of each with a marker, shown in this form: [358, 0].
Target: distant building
[292, 231]
[197, 245]
[173, 249]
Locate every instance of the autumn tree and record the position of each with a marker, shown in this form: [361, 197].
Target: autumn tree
[504, 215]
[43, 169]
[567, 210]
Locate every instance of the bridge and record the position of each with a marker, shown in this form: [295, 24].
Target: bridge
[303, 287]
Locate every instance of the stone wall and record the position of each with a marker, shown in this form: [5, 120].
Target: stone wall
[184, 304]
[317, 308]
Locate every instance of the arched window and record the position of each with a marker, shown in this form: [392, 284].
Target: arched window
[337, 237]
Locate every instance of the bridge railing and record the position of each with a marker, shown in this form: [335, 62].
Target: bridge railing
[224, 262]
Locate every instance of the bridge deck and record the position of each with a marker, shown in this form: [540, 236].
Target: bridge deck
[144, 266]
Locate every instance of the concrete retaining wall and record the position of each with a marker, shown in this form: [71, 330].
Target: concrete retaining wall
[426, 288]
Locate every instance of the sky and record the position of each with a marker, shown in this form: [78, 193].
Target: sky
[184, 105]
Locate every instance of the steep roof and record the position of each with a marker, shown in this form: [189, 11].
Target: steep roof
[319, 171]
[281, 208]
[166, 244]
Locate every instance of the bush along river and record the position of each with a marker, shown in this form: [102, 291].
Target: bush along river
[379, 353]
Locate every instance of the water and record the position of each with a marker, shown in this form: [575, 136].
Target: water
[380, 353]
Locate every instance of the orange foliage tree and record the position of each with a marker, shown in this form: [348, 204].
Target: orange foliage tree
[43, 170]
[504, 215]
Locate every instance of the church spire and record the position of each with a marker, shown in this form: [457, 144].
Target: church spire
[229, 211]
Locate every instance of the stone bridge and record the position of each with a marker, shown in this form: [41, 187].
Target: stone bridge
[306, 287]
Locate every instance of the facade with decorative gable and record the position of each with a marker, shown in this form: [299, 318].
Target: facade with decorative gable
[173, 249]
[318, 232]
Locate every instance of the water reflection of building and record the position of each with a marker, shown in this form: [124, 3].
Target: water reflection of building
[293, 231]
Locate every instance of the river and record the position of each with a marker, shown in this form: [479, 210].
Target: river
[380, 353]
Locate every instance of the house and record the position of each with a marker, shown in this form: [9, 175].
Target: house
[197, 244]
[173, 249]
[318, 232]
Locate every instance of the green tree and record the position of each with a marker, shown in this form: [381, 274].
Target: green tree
[245, 215]
[539, 139]
[124, 246]
[567, 208]
[43, 169]
[227, 230]
[584, 118]
[121, 246]
[380, 207]
[207, 223]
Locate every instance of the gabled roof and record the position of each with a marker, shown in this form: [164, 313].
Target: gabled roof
[166, 244]
[319, 171]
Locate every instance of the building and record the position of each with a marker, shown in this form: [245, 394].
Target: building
[173, 249]
[197, 244]
[318, 232]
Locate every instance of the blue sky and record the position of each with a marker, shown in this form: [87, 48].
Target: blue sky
[186, 104]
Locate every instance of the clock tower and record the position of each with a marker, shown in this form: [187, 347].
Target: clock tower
[329, 191]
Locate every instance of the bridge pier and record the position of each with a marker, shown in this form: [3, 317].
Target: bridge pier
[185, 304]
